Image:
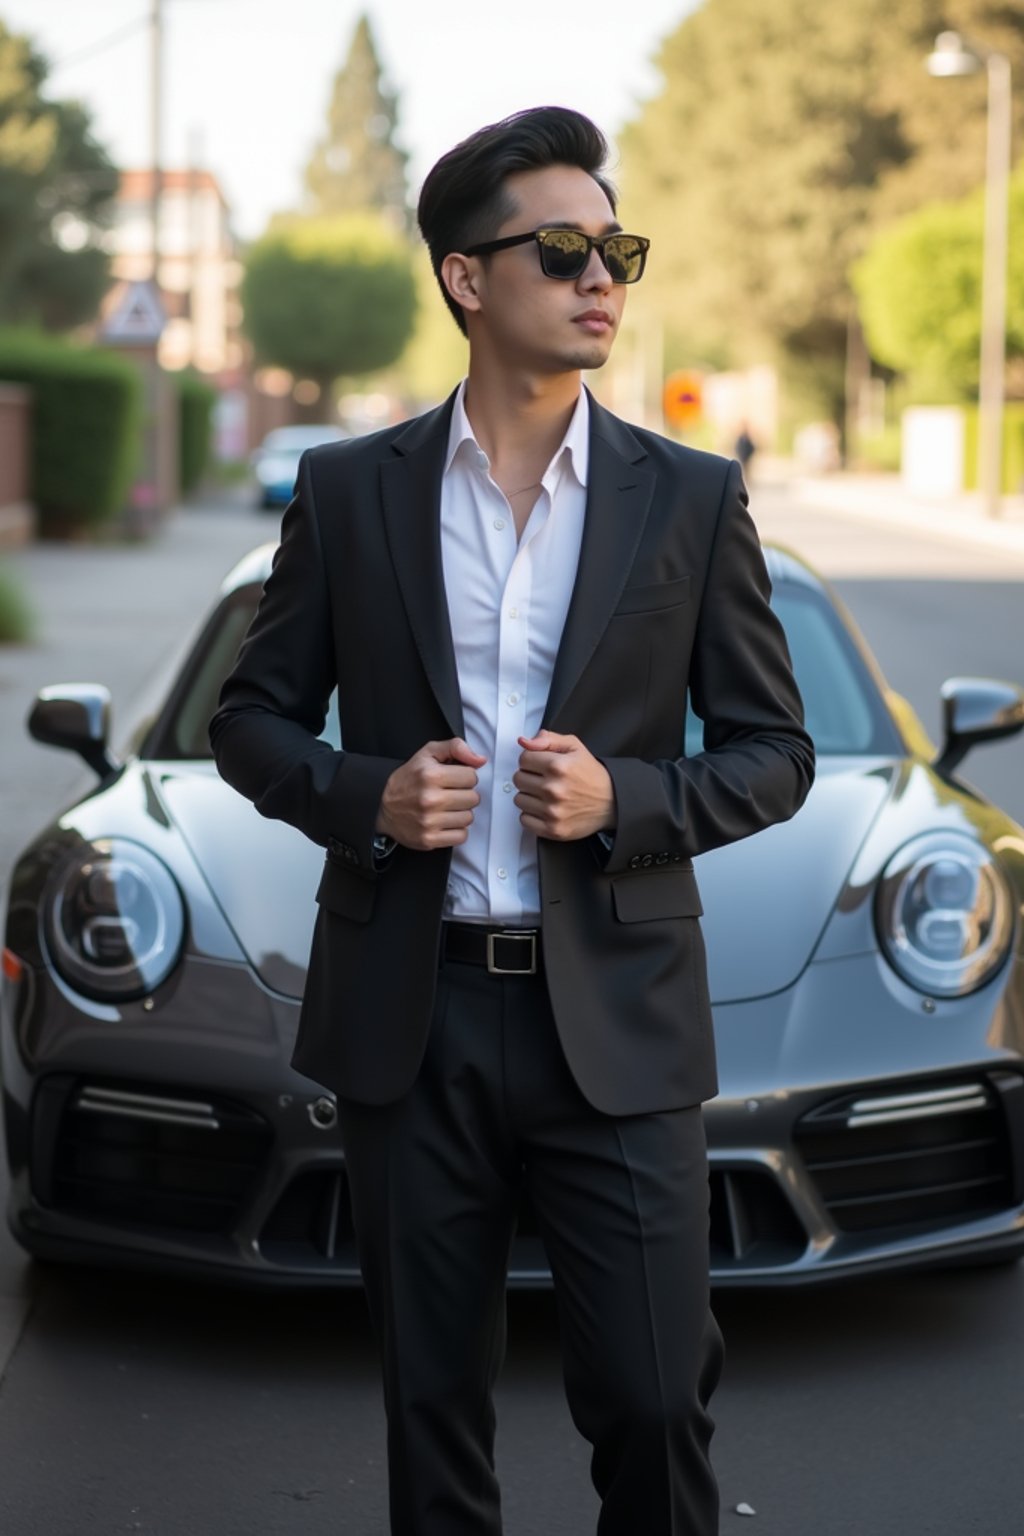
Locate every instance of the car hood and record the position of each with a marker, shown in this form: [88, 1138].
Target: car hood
[766, 899]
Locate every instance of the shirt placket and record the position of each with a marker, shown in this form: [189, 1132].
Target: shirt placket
[505, 851]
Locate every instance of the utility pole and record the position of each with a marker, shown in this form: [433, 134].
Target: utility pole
[156, 50]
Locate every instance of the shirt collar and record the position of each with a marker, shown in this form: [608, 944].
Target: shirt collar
[575, 443]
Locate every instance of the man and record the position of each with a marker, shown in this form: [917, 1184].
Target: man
[507, 986]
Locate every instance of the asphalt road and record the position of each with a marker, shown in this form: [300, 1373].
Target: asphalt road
[889, 1408]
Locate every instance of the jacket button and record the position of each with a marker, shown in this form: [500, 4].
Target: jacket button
[677, 858]
[662, 858]
[634, 862]
[647, 861]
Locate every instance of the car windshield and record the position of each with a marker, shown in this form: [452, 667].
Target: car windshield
[845, 712]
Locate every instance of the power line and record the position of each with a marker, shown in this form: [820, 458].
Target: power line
[109, 41]
[102, 43]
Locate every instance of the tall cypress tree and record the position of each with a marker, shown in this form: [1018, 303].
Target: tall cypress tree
[357, 165]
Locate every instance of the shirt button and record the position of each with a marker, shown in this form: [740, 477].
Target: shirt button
[508, 788]
[499, 523]
[513, 613]
[513, 698]
[502, 874]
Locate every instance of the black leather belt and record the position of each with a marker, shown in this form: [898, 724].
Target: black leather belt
[504, 951]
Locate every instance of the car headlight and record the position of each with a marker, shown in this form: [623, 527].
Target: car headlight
[114, 920]
[944, 913]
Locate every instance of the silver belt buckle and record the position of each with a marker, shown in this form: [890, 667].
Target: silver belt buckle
[522, 938]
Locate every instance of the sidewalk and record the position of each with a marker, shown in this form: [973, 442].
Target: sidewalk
[882, 498]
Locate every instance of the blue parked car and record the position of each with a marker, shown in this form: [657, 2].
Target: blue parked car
[276, 460]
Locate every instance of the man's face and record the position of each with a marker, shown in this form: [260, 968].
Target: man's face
[542, 323]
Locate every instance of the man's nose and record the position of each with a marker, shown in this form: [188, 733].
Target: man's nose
[595, 275]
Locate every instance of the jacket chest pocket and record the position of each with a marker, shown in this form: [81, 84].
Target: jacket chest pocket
[650, 599]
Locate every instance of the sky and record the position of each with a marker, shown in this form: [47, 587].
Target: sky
[247, 82]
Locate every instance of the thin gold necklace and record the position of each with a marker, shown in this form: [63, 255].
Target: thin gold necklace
[531, 487]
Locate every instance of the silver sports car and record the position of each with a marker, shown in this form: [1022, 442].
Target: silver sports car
[866, 964]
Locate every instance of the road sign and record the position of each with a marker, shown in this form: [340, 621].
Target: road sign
[136, 317]
[682, 401]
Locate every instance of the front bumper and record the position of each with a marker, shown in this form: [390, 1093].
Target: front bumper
[853, 1135]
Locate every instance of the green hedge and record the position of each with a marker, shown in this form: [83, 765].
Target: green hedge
[196, 401]
[1013, 447]
[86, 428]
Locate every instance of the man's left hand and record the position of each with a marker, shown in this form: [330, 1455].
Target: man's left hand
[564, 792]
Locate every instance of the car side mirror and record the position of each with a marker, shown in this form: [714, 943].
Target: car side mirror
[976, 709]
[75, 716]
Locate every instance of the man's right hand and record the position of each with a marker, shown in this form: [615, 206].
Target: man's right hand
[429, 801]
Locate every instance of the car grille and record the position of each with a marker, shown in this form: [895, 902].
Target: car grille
[312, 1222]
[158, 1160]
[752, 1224]
[914, 1157]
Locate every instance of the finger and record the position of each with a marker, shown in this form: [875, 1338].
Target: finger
[549, 741]
[540, 764]
[450, 776]
[451, 820]
[459, 751]
[531, 803]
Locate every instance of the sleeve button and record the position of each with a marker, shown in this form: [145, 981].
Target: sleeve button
[647, 861]
[634, 862]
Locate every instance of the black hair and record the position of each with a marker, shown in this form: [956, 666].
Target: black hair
[464, 200]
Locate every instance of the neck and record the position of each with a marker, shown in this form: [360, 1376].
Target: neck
[518, 416]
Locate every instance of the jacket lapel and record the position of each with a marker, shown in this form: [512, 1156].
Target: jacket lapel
[411, 498]
[619, 491]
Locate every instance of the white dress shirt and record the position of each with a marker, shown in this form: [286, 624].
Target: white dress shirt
[507, 603]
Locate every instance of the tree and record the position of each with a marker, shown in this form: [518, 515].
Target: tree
[919, 286]
[57, 188]
[331, 296]
[784, 135]
[357, 165]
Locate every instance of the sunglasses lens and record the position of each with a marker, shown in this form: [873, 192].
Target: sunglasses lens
[624, 258]
[563, 252]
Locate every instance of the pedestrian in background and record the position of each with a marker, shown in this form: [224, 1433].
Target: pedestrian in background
[507, 988]
[744, 448]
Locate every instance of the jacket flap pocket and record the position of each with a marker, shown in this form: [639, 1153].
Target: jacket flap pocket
[663, 594]
[642, 897]
[345, 893]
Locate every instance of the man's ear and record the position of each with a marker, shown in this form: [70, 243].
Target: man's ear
[460, 276]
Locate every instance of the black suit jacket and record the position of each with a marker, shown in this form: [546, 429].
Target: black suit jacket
[671, 592]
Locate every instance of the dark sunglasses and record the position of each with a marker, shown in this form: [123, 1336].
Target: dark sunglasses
[564, 253]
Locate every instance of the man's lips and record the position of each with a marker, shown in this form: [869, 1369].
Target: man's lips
[597, 321]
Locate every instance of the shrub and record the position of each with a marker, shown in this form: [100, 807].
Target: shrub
[86, 426]
[196, 401]
[16, 620]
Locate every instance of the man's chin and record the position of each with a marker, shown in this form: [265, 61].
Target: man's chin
[588, 356]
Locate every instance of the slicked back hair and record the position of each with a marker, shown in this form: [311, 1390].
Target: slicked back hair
[464, 200]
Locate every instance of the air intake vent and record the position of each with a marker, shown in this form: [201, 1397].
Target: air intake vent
[918, 1157]
[159, 1160]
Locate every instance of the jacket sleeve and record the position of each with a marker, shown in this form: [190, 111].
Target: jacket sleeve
[272, 708]
[758, 761]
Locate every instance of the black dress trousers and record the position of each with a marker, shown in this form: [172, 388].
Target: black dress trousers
[622, 1205]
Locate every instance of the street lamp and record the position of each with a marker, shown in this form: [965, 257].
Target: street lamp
[954, 56]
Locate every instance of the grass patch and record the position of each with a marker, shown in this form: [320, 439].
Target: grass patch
[16, 618]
